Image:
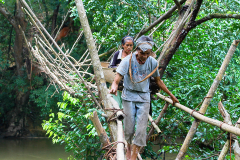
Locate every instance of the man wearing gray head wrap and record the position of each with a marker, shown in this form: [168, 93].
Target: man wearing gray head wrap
[136, 70]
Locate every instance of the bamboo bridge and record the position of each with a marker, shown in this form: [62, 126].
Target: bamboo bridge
[66, 72]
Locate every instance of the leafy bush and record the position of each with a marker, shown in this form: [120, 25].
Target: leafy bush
[71, 126]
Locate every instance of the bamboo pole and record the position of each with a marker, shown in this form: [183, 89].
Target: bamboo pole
[158, 120]
[53, 41]
[100, 130]
[224, 113]
[120, 139]
[227, 120]
[139, 157]
[235, 143]
[120, 115]
[96, 65]
[236, 149]
[120, 145]
[199, 116]
[206, 102]
[224, 151]
[154, 124]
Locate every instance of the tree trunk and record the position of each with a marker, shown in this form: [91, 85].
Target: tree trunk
[54, 20]
[19, 23]
[179, 33]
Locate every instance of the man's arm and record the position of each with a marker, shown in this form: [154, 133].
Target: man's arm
[165, 89]
[115, 83]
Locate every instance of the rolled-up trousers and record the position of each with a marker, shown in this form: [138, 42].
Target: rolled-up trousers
[136, 112]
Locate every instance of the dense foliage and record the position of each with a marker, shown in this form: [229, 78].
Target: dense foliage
[71, 126]
[189, 74]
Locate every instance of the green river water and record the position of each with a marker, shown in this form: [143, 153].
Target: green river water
[40, 149]
[31, 149]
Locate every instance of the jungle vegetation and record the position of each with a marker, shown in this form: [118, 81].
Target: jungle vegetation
[190, 64]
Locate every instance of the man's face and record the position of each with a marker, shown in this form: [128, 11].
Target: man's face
[143, 56]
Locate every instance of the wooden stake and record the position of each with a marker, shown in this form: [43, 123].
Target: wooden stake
[224, 151]
[235, 144]
[100, 130]
[206, 102]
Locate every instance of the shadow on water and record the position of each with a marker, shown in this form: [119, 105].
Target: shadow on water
[31, 149]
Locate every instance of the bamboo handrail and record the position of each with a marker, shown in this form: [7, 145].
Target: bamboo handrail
[203, 118]
[206, 102]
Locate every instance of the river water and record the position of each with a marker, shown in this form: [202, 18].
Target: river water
[31, 149]
[42, 149]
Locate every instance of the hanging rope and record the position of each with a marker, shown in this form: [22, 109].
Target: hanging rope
[130, 71]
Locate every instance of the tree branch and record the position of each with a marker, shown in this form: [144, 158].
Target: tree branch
[196, 10]
[178, 5]
[217, 15]
[8, 15]
[159, 20]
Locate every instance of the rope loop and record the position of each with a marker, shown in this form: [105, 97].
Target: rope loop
[112, 150]
[221, 125]
[114, 110]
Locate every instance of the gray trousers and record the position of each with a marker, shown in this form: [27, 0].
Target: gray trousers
[140, 110]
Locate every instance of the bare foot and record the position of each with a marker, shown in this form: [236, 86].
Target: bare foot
[135, 149]
[128, 154]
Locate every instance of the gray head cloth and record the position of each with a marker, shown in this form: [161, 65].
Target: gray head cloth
[144, 45]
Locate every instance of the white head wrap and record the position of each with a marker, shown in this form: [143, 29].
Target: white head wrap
[144, 45]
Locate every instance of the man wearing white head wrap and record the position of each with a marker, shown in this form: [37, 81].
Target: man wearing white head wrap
[136, 69]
